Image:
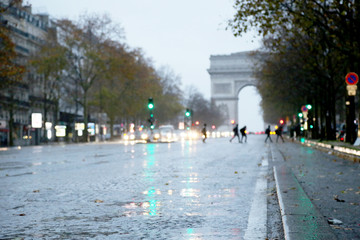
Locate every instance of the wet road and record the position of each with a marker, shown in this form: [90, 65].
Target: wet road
[182, 190]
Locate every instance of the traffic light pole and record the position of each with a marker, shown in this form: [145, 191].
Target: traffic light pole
[151, 107]
[188, 118]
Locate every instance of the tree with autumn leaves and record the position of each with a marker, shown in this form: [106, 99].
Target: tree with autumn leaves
[49, 62]
[310, 46]
[86, 64]
[11, 73]
[99, 72]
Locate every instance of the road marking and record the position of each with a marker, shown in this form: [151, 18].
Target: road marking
[256, 228]
[281, 205]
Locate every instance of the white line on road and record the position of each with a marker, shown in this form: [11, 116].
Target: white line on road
[256, 228]
[282, 206]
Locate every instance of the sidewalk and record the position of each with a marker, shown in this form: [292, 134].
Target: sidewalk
[341, 149]
[314, 188]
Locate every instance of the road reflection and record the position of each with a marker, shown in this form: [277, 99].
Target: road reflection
[152, 204]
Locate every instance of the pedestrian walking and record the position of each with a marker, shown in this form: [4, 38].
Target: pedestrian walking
[243, 134]
[267, 132]
[203, 131]
[279, 133]
[236, 132]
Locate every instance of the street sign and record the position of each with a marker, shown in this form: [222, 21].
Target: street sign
[304, 109]
[351, 78]
[36, 120]
[2, 124]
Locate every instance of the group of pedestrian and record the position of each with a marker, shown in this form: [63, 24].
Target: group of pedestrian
[278, 133]
[236, 133]
[243, 133]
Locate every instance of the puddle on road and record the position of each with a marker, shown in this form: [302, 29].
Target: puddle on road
[132, 209]
[190, 192]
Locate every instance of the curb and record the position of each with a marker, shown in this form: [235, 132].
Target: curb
[301, 219]
[343, 152]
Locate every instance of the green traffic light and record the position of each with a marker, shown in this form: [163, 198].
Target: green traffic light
[187, 113]
[152, 126]
[150, 104]
[300, 115]
[308, 106]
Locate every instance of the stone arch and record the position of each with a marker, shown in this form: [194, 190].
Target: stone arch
[229, 74]
[249, 84]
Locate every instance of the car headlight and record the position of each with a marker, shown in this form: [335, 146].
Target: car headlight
[144, 136]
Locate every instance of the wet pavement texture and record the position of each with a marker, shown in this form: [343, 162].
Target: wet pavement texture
[332, 184]
[181, 190]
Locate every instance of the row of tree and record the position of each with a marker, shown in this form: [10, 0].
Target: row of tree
[309, 46]
[88, 65]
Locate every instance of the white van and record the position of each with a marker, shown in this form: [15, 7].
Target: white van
[167, 133]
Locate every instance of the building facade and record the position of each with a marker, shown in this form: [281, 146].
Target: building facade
[18, 101]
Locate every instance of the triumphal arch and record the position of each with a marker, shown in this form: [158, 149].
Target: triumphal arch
[229, 74]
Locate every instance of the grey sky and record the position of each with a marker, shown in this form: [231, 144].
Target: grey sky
[179, 34]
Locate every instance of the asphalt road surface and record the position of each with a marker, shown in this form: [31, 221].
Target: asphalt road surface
[181, 190]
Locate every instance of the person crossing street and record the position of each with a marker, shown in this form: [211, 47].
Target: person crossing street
[243, 134]
[267, 132]
[236, 132]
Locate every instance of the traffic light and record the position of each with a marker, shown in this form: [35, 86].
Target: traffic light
[281, 122]
[309, 106]
[150, 104]
[151, 120]
[187, 113]
[151, 107]
[300, 115]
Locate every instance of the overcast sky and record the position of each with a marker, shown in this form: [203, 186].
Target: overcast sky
[179, 34]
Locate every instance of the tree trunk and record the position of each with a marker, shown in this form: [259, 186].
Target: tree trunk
[11, 126]
[111, 128]
[45, 119]
[85, 135]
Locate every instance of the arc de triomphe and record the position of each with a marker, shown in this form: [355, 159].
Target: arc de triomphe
[229, 74]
